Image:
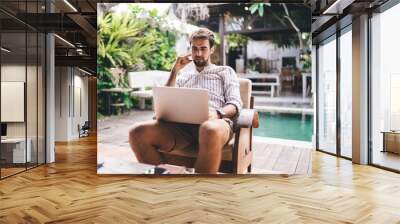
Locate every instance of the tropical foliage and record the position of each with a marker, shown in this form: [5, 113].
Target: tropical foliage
[258, 7]
[164, 36]
[282, 16]
[120, 43]
[131, 41]
[236, 41]
[284, 40]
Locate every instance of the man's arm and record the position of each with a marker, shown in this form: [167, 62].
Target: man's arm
[179, 64]
[233, 103]
[172, 78]
[232, 94]
[228, 111]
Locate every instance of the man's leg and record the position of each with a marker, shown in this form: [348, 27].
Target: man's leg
[213, 135]
[145, 138]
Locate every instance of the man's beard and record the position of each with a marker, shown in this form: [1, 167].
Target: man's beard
[200, 62]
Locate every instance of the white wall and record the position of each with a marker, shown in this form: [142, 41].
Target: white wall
[33, 126]
[62, 81]
[267, 50]
[71, 87]
[80, 98]
[12, 101]
[14, 73]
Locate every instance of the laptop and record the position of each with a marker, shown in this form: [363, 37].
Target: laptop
[182, 105]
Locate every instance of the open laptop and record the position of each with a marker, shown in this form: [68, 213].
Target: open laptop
[183, 105]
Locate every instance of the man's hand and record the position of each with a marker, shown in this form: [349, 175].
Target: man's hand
[212, 115]
[179, 64]
[182, 62]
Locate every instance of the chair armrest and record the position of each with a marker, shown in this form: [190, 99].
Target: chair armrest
[248, 118]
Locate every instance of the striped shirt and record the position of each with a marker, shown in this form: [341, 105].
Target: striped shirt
[220, 81]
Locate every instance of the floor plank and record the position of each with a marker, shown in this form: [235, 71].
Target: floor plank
[304, 164]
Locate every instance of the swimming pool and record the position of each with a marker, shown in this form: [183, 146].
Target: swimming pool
[285, 126]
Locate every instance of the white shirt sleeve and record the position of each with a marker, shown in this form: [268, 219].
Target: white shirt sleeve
[232, 89]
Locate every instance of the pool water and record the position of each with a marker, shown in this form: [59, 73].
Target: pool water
[285, 126]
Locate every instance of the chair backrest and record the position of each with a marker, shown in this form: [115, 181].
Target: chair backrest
[245, 92]
[286, 72]
[147, 78]
[86, 125]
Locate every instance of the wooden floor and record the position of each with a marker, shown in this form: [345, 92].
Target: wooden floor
[70, 191]
[386, 159]
[267, 159]
[116, 156]
[10, 171]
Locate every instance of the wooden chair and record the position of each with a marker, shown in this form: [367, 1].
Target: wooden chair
[287, 79]
[83, 131]
[237, 154]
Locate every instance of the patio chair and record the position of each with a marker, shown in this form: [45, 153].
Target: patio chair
[237, 154]
[83, 131]
[287, 79]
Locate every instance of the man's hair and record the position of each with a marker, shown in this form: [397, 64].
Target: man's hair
[203, 33]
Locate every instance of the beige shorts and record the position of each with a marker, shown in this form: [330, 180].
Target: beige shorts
[188, 134]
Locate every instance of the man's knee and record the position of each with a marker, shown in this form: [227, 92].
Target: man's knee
[138, 132]
[150, 133]
[210, 130]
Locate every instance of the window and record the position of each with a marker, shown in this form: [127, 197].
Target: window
[22, 77]
[327, 95]
[346, 92]
[385, 88]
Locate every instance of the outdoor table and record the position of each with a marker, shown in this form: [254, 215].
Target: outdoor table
[391, 141]
[273, 85]
[115, 90]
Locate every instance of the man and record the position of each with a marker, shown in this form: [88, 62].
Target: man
[194, 71]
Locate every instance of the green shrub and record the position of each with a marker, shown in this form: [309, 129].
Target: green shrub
[133, 42]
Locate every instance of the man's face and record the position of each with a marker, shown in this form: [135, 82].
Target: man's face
[201, 52]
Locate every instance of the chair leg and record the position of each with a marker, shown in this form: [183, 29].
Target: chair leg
[142, 103]
[272, 91]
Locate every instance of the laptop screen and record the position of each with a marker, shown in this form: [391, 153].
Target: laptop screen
[3, 129]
